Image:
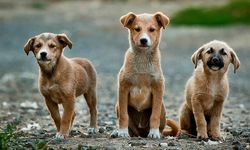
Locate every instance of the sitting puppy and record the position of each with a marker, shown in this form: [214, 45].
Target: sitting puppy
[140, 106]
[61, 80]
[207, 90]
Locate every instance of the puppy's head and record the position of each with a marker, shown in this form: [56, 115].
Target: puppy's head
[47, 47]
[216, 56]
[144, 29]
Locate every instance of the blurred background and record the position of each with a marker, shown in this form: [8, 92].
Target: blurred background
[97, 34]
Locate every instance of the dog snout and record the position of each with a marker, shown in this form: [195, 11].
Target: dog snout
[143, 41]
[215, 60]
[43, 55]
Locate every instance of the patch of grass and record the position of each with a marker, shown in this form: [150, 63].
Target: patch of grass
[39, 5]
[235, 12]
[7, 134]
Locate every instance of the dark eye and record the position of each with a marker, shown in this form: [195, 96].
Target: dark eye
[222, 52]
[52, 46]
[151, 29]
[137, 29]
[210, 51]
[38, 45]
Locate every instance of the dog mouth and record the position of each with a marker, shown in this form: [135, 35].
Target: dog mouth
[215, 66]
[44, 60]
[143, 46]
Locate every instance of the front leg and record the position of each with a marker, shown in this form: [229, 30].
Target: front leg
[68, 113]
[122, 111]
[157, 100]
[54, 112]
[199, 118]
[214, 124]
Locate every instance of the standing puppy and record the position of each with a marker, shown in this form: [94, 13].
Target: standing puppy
[140, 108]
[207, 90]
[61, 79]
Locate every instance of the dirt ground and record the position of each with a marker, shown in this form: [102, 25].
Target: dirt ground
[94, 28]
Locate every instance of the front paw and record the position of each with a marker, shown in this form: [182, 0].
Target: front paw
[123, 132]
[59, 136]
[202, 136]
[216, 136]
[92, 130]
[154, 133]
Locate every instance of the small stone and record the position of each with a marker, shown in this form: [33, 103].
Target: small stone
[163, 144]
[109, 128]
[114, 134]
[171, 144]
[137, 143]
[101, 130]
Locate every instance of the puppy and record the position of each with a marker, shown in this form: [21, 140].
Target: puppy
[61, 80]
[140, 107]
[207, 90]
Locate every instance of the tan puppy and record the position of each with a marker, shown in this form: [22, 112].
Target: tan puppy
[61, 79]
[140, 108]
[207, 90]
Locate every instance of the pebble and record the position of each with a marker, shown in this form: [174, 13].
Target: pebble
[109, 128]
[137, 143]
[171, 144]
[101, 130]
[163, 144]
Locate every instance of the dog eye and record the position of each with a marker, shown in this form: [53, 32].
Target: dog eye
[210, 51]
[151, 29]
[52, 46]
[138, 29]
[38, 46]
[222, 52]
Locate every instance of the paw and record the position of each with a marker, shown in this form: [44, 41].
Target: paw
[202, 136]
[92, 130]
[59, 136]
[154, 133]
[123, 132]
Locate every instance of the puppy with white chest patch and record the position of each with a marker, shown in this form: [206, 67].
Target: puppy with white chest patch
[61, 80]
[140, 106]
[207, 90]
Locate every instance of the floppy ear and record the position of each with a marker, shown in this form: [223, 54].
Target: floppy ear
[64, 40]
[162, 19]
[197, 56]
[29, 45]
[128, 19]
[234, 60]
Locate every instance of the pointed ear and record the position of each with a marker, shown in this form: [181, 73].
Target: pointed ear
[234, 60]
[64, 40]
[128, 19]
[197, 56]
[162, 19]
[29, 45]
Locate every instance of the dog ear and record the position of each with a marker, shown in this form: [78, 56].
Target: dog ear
[234, 60]
[29, 45]
[197, 56]
[128, 19]
[64, 40]
[162, 19]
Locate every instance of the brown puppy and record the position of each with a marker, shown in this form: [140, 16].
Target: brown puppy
[207, 90]
[61, 79]
[140, 108]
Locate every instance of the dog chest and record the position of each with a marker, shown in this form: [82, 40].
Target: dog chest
[53, 92]
[140, 98]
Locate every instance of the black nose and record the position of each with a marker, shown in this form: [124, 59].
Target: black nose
[215, 60]
[43, 55]
[143, 41]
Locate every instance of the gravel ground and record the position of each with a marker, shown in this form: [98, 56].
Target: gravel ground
[97, 35]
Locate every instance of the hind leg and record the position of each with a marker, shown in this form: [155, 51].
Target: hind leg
[91, 102]
[187, 122]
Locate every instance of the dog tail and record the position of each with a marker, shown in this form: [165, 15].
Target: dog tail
[175, 128]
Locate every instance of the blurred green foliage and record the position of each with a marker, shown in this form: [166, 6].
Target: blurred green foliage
[235, 12]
